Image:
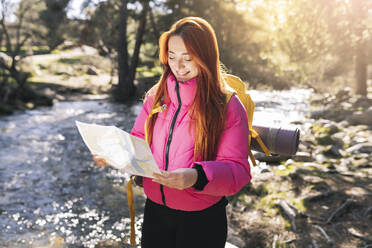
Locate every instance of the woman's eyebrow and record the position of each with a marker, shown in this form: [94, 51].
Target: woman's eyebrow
[186, 53]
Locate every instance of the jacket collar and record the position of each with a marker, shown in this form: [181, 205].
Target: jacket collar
[187, 90]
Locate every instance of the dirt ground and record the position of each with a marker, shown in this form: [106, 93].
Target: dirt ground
[325, 209]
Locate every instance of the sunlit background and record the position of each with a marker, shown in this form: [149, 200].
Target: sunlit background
[266, 42]
[68, 60]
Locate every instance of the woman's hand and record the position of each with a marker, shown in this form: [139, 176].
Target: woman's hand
[179, 179]
[100, 161]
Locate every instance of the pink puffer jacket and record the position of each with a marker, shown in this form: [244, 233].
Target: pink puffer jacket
[226, 175]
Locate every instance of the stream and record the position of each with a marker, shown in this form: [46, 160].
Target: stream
[53, 195]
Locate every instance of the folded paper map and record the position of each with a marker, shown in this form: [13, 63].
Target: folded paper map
[119, 148]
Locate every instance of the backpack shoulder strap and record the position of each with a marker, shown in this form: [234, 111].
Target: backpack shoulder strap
[238, 86]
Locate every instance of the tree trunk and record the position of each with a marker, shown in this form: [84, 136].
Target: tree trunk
[139, 39]
[361, 69]
[359, 10]
[154, 28]
[125, 89]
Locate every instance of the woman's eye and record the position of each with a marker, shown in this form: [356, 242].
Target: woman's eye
[187, 59]
[170, 57]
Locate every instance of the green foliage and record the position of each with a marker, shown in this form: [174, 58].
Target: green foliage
[24, 50]
[101, 29]
[279, 43]
[53, 18]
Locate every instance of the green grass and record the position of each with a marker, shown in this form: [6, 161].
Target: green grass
[320, 129]
[299, 204]
[36, 50]
[144, 71]
[285, 172]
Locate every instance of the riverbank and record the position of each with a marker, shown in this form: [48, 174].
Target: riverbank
[321, 197]
[54, 194]
[70, 74]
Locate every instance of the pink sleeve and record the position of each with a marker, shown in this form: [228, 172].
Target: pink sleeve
[139, 125]
[230, 171]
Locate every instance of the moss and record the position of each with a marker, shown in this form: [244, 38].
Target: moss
[287, 225]
[319, 129]
[299, 204]
[285, 172]
[267, 204]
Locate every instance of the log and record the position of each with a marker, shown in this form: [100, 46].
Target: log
[275, 240]
[289, 212]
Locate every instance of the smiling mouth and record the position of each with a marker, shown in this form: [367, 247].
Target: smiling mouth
[182, 74]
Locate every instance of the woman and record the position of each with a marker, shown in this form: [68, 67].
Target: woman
[199, 142]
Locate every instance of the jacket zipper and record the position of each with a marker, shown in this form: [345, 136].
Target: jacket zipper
[170, 137]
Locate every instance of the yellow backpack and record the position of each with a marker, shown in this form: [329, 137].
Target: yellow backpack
[238, 87]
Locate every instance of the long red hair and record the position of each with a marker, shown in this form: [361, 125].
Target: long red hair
[209, 106]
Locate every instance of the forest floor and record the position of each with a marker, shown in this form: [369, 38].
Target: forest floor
[320, 198]
[73, 74]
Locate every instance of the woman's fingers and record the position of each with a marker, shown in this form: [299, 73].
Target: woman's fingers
[179, 179]
[162, 175]
[99, 161]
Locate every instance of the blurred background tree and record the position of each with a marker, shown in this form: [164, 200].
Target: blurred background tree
[54, 18]
[15, 39]
[279, 43]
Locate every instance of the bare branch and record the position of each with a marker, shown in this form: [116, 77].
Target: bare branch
[5, 29]
[20, 44]
[321, 230]
[339, 211]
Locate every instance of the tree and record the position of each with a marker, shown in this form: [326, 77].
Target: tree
[126, 89]
[350, 26]
[107, 29]
[53, 18]
[363, 32]
[14, 37]
[237, 31]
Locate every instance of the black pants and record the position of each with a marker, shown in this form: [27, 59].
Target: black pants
[164, 227]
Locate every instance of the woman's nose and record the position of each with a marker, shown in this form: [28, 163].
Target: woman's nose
[179, 64]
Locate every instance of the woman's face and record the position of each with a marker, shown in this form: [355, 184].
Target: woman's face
[180, 62]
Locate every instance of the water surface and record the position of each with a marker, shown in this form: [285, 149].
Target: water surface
[51, 192]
